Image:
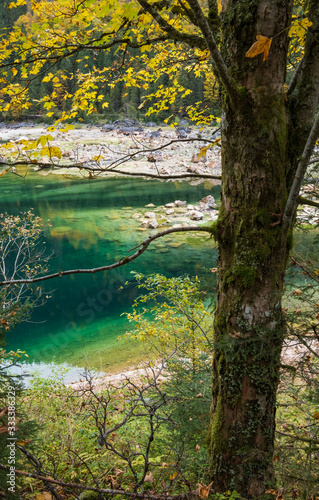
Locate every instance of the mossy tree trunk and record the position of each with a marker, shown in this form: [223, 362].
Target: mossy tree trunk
[258, 167]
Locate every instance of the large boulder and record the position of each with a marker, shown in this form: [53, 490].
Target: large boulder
[207, 203]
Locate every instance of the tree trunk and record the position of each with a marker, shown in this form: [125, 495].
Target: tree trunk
[249, 323]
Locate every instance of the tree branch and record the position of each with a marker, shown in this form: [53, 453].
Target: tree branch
[307, 86]
[299, 438]
[191, 39]
[295, 78]
[100, 170]
[167, 177]
[130, 494]
[304, 201]
[221, 67]
[125, 260]
[293, 197]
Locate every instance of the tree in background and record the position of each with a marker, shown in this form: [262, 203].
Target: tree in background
[269, 131]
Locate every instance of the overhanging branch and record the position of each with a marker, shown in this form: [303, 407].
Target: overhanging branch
[125, 260]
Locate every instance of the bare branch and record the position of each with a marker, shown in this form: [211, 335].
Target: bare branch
[97, 169]
[315, 160]
[293, 197]
[311, 203]
[112, 492]
[125, 260]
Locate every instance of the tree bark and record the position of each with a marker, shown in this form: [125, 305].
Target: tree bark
[249, 323]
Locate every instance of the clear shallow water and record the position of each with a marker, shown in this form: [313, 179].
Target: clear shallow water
[27, 373]
[91, 225]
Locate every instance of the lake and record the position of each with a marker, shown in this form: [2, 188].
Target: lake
[91, 225]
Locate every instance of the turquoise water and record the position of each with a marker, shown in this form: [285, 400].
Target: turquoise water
[92, 225]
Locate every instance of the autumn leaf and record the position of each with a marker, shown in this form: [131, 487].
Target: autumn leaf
[149, 477]
[261, 46]
[316, 415]
[203, 491]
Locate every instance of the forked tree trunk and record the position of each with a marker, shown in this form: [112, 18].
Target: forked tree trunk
[249, 323]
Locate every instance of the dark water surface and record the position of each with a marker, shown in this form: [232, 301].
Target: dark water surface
[92, 225]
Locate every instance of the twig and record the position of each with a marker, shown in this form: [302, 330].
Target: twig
[299, 438]
[125, 260]
[99, 490]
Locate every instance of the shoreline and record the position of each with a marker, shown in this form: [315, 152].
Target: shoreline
[93, 146]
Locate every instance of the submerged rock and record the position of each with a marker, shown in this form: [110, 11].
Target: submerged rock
[150, 215]
[196, 215]
[153, 224]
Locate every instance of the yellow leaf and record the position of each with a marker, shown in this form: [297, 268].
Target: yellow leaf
[47, 78]
[261, 46]
[316, 415]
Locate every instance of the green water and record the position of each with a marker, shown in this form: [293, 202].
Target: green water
[91, 225]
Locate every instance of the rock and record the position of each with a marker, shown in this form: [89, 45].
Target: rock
[136, 216]
[181, 134]
[192, 169]
[153, 224]
[207, 202]
[169, 205]
[190, 207]
[196, 158]
[126, 122]
[170, 211]
[179, 203]
[196, 215]
[150, 124]
[144, 222]
[108, 127]
[130, 130]
[150, 205]
[150, 215]
[153, 135]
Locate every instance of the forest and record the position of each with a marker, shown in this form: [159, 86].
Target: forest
[113, 113]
